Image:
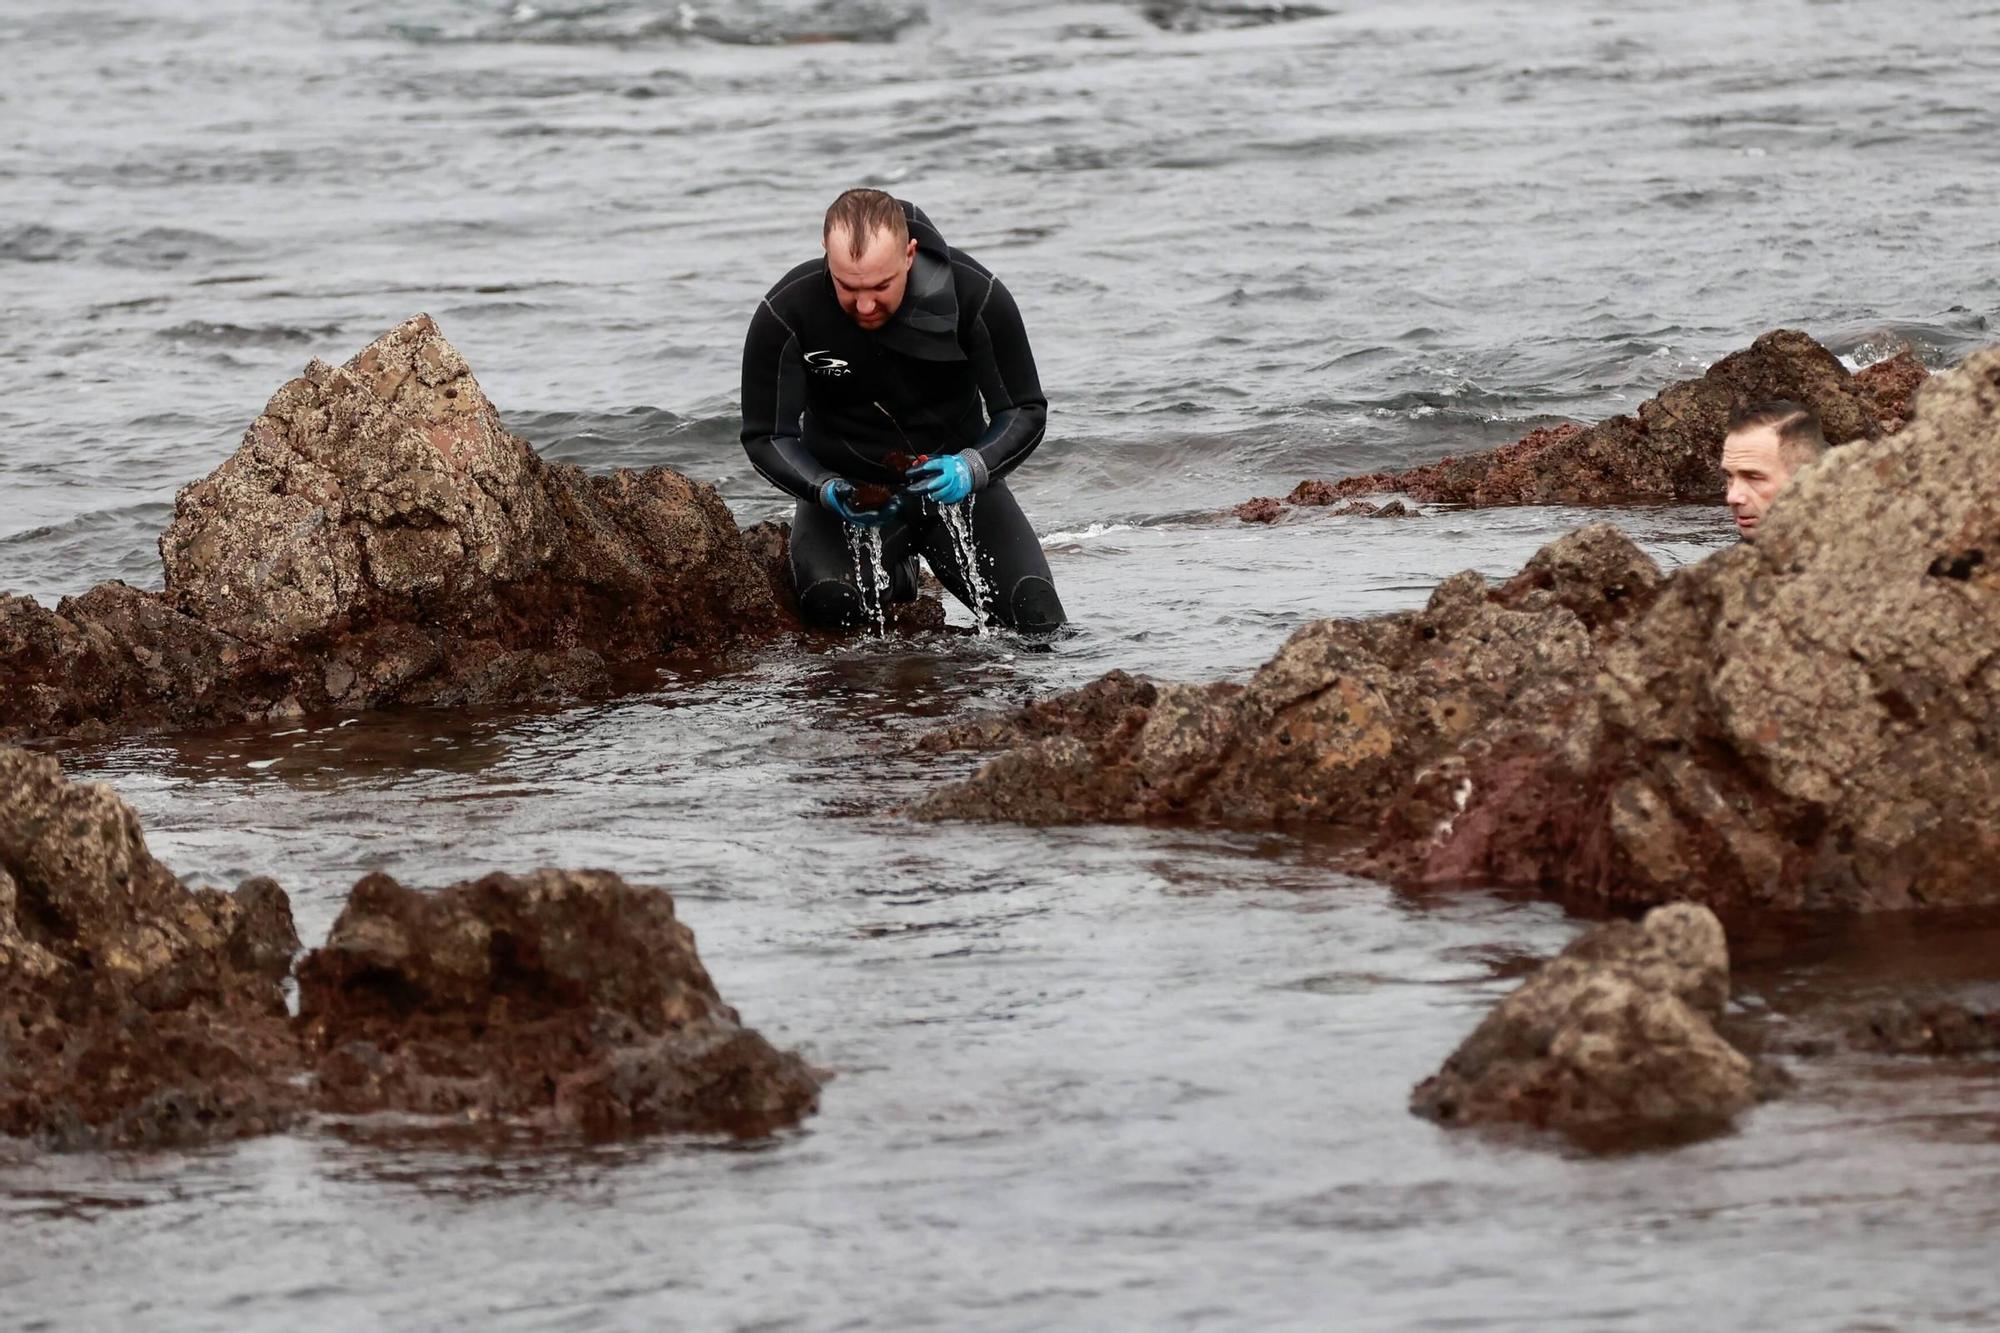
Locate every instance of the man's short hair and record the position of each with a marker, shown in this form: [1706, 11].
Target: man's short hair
[1800, 439]
[863, 213]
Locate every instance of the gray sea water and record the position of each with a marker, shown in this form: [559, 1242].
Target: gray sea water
[1107, 1078]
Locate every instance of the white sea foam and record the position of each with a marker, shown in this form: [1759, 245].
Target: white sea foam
[1085, 534]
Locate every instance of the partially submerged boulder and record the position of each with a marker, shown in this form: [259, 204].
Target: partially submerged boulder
[1612, 1042]
[133, 1012]
[137, 1013]
[1934, 1026]
[562, 999]
[1266, 509]
[1332, 728]
[1667, 451]
[378, 538]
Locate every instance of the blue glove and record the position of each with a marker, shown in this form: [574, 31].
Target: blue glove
[838, 495]
[944, 480]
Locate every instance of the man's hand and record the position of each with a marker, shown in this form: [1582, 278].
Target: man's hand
[839, 496]
[944, 480]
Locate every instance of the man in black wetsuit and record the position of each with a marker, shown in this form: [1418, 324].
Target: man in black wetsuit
[863, 376]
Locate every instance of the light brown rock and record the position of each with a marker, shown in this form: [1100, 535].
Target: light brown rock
[380, 538]
[1611, 1042]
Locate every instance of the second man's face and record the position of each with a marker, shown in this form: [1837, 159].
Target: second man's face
[1754, 468]
[871, 287]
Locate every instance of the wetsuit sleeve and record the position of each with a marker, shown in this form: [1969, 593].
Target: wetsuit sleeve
[1017, 410]
[773, 403]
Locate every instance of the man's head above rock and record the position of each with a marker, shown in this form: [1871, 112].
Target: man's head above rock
[1766, 445]
[869, 252]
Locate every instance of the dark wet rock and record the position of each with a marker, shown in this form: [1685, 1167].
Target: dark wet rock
[1205, 15]
[119, 657]
[1263, 509]
[568, 1000]
[1810, 722]
[133, 1012]
[769, 546]
[1892, 386]
[1927, 1027]
[1093, 712]
[1332, 729]
[1613, 1042]
[1667, 451]
[380, 538]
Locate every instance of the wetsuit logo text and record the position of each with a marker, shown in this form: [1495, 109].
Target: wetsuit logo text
[826, 364]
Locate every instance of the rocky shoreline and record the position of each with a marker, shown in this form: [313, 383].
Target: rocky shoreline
[1806, 724]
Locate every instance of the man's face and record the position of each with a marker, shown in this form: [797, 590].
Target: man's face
[1754, 467]
[871, 287]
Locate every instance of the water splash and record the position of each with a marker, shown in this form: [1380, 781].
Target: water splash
[958, 522]
[871, 575]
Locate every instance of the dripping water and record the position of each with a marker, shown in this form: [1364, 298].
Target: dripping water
[871, 574]
[958, 522]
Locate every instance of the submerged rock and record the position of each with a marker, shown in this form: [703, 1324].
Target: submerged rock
[1927, 1027]
[1667, 451]
[1612, 1042]
[133, 1012]
[378, 538]
[570, 1000]
[1265, 509]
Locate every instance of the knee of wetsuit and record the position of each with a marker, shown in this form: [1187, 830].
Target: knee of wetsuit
[1033, 607]
[830, 604]
[903, 581]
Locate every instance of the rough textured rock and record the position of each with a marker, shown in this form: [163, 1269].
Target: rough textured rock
[1927, 1027]
[564, 999]
[133, 1012]
[1810, 722]
[1667, 451]
[380, 538]
[1265, 509]
[1332, 728]
[1892, 386]
[389, 491]
[1611, 1042]
[137, 1013]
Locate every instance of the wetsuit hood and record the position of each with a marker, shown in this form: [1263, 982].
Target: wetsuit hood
[925, 325]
